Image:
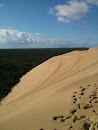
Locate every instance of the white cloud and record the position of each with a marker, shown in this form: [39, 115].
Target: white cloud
[95, 2]
[13, 38]
[17, 39]
[64, 20]
[74, 9]
[1, 5]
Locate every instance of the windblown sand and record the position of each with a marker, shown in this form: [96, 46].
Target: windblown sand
[59, 94]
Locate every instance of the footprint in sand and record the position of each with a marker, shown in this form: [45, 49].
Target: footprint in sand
[88, 106]
[96, 101]
[60, 118]
[74, 111]
[80, 106]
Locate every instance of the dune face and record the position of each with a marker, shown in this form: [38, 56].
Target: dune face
[59, 94]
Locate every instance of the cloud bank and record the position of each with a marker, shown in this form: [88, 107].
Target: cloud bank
[72, 10]
[17, 39]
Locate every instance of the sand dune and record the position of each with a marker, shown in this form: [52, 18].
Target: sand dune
[59, 94]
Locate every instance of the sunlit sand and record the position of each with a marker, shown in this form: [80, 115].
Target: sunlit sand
[59, 94]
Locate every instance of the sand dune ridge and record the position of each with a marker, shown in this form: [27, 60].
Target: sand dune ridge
[61, 94]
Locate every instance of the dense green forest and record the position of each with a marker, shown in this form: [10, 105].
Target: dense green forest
[16, 62]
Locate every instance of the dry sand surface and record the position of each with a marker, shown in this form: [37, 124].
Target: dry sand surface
[59, 94]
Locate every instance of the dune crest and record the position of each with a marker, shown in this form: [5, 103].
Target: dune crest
[61, 93]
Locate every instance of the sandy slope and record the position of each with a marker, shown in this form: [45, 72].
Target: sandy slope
[59, 94]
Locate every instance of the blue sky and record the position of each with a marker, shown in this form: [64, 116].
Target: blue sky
[48, 23]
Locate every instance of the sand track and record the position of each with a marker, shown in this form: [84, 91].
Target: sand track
[38, 88]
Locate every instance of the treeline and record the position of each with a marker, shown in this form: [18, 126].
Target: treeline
[16, 62]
